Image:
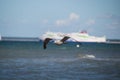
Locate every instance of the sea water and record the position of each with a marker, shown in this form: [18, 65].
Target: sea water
[29, 61]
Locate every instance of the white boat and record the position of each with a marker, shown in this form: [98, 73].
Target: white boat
[75, 37]
[85, 37]
[52, 35]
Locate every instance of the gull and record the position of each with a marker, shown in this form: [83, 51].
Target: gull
[57, 42]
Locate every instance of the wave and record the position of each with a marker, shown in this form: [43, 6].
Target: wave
[93, 57]
[107, 59]
[51, 60]
[87, 56]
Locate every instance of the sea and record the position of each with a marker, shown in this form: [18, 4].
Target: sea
[27, 60]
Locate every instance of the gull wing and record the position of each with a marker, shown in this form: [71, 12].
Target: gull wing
[65, 38]
[46, 42]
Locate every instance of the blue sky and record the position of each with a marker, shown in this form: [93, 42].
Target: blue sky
[31, 18]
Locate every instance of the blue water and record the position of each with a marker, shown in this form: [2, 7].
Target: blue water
[29, 61]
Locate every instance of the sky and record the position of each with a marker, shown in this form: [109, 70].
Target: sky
[32, 18]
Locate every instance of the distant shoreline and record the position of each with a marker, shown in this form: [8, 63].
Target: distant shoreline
[114, 41]
[20, 39]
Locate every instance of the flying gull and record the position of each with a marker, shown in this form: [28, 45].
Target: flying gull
[57, 42]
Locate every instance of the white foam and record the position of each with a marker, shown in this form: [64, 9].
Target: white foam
[87, 56]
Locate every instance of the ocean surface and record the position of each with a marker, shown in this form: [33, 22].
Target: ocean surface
[22, 60]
